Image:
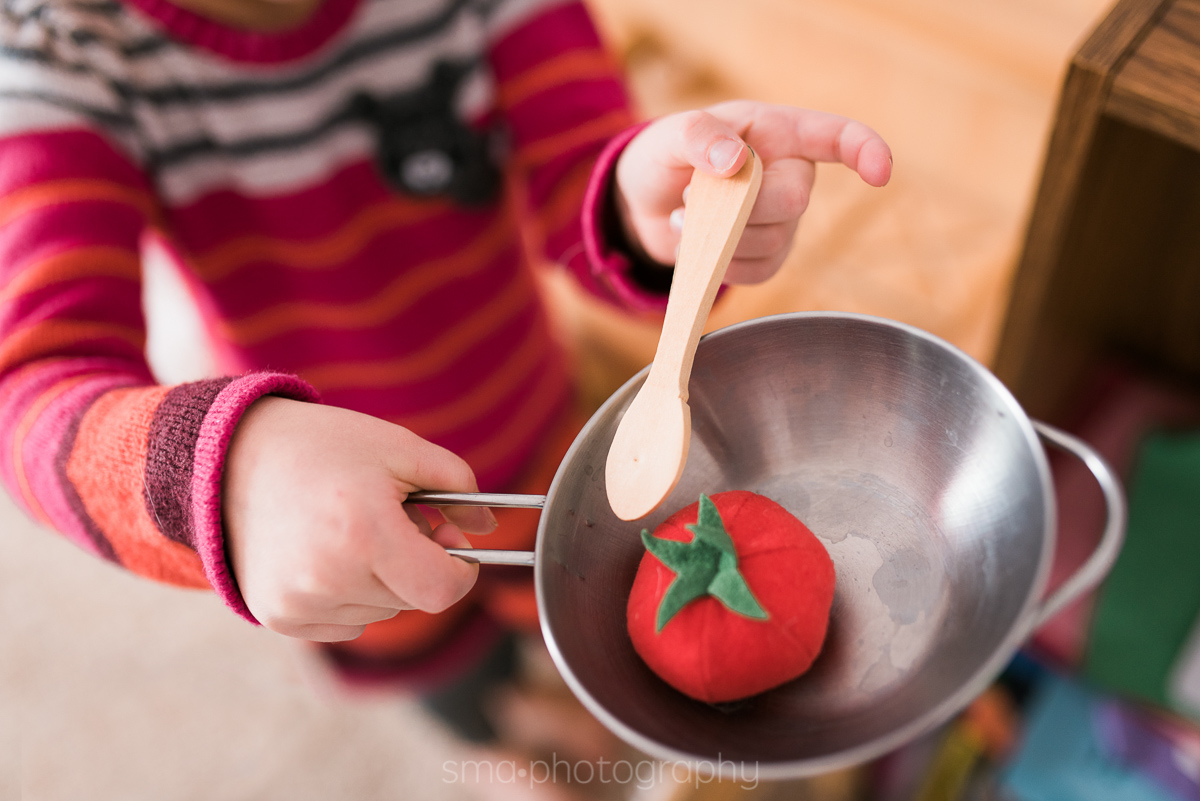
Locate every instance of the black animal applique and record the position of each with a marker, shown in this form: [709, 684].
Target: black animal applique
[424, 148]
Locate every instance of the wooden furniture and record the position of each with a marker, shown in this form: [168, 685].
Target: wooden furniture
[1111, 261]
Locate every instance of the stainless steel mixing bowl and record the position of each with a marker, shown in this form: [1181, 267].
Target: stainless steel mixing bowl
[919, 472]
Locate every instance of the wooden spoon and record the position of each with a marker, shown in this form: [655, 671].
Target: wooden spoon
[650, 448]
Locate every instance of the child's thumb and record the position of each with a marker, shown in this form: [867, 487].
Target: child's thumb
[707, 143]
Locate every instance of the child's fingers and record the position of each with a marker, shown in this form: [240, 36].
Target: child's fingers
[449, 535]
[696, 140]
[359, 614]
[419, 464]
[417, 569]
[778, 132]
[324, 632]
[786, 188]
[753, 271]
[422, 465]
[474, 519]
[765, 241]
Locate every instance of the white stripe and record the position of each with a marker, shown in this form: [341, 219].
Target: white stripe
[378, 15]
[286, 113]
[86, 90]
[29, 116]
[265, 175]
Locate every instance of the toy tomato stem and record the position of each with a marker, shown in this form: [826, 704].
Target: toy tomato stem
[708, 565]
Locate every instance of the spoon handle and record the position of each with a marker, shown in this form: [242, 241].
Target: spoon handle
[717, 210]
[650, 447]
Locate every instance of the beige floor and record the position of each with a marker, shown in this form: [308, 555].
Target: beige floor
[115, 688]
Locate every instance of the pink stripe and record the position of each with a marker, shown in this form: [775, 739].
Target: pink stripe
[241, 45]
[452, 381]
[44, 442]
[29, 159]
[418, 325]
[22, 388]
[564, 108]
[17, 393]
[546, 180]
[306, 214]
[389, 254]
[52, 229]
[96, 299]
[559, 30]
[213, 442]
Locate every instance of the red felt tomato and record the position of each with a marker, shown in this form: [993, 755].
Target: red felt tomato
[706, 649]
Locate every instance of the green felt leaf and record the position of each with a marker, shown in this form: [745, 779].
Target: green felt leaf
[686, 588]
[730, 588]
[705, 566]
[670, 552]
[710, 528]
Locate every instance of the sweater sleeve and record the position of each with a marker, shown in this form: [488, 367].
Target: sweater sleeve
[569, 116]
[90, 445]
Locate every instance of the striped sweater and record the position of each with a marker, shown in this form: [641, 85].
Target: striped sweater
[349, 200]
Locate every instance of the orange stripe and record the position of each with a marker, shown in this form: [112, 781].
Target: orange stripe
[83, 262]
[476, 328]
[330, 251]
[596, 131]
[563, 206]
[107, 467]
[72, 190]
[484, 396]
[23, 427]
[53, 335]
[521, 426]
[577, 65]
[406, 291]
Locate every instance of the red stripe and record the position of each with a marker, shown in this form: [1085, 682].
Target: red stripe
[400, 296]
[100, 299]
[559, 30]
[58, 338]
[451, 398]
[259, 47]
[352, 265]
[29, 159]
[569, 68]
[450, 345]
[583, 140]
[69, 264]
[311, 213]
[53, 229]
[324, 253]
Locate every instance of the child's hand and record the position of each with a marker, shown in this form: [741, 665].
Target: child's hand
[316, 530]
[656, 166]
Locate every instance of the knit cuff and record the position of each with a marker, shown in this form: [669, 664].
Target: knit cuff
[185, 461]
[608, 257]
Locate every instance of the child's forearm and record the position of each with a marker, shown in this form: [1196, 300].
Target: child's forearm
[94, 448]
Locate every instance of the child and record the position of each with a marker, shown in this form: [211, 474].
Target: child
[344, 183]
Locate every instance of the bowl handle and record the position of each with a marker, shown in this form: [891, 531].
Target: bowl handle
[1102, 559]
[500, 500]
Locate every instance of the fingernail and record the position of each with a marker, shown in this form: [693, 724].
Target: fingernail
[723, 154]
[675, 221]
[686, 189]
[491, 517]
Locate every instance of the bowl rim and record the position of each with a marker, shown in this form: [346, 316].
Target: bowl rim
[939, 713]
